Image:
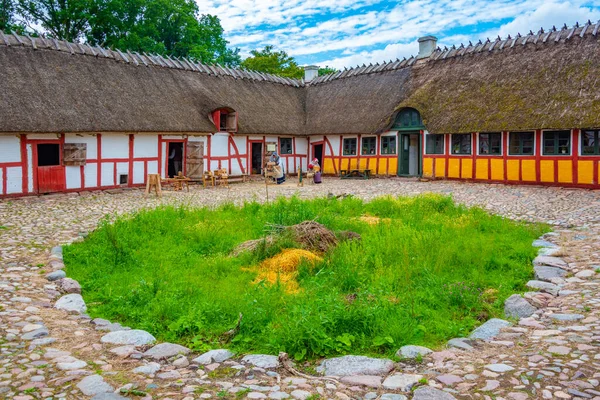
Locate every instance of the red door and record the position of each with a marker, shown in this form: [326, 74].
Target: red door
[48, 168]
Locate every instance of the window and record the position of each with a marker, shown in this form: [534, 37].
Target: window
[557, 143]
[520, 143]
[388, 145]
[369, 145]
[461, 144]
[490, 143]
[408, 118]
[350, 147]
[225, 120]
[590, 143]
[285, 146]
[434, 144]
[48, 154]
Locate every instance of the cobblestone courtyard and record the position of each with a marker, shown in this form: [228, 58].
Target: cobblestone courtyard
[48, 353]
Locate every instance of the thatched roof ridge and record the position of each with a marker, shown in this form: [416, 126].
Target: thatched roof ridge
[498, 45]
[137, 59]
[547, 80]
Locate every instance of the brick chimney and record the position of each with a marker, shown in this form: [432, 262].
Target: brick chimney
[310, 72]
[427, 45]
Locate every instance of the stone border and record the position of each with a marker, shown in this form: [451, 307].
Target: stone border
[550, 273]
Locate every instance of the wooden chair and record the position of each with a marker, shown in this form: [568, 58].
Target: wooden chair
[180, 181]
[153, 182]
[222, 177]
[208, 178]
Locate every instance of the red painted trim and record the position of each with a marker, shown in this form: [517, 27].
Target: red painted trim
[538, 152]
[505, 155]
[99, 158]
[208, 152]
[130, 173]
[159, 157]
[332, 153]
[34, 143]
[24, 164]
[237, 155]
[575, 154]
[340, 153]
[474, 139]
[11, 164]
[4, 180]
[446, 153]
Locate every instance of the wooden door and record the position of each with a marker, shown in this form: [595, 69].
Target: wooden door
[50, 173]
[194, 159]
[404, 154]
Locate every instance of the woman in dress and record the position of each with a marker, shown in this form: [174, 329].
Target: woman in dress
[279, 173]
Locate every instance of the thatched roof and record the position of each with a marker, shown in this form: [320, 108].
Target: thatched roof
[543, 80]
[52, 86]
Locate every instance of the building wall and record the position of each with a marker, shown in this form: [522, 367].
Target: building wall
[574, 169]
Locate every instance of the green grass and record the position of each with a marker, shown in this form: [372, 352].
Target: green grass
[436, 271]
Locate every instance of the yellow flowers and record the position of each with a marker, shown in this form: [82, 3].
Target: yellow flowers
[283, 268]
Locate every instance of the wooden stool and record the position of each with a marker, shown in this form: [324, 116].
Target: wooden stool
[153, 181]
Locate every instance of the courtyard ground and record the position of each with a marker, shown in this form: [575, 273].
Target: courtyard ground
[554, 354]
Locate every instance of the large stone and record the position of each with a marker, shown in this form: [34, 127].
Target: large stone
[109, 396]
[401, 382]
[517, 307]
[165, 350]
[543, 273]
[213, 356]
[544, 287]
[135, 337]
[362, 380]
[411, 351]
[392, 396]
[489, 329]
[148, 369]
[461, 343]
[261, 360]
[68, 285]
[56, 251]
[35, 334]
[56, 275]
[567, 317]
[71, 303]
[355, 365]
[499, 367]
[429, 393]
[93, 385]
[550, 261]
[543, 243]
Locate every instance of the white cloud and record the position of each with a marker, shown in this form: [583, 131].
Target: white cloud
[350, 32]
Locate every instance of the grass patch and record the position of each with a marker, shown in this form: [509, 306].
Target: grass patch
[433, 271]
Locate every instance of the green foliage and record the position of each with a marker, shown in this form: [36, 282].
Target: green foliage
[166, 27]
[432, 271]
[327, 70]
[273, 62]
[7, 16]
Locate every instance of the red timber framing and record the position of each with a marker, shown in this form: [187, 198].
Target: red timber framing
[162, 140]
[294, 159]
[373, 161]
[571, 167]
[23, 164]
[61, 184]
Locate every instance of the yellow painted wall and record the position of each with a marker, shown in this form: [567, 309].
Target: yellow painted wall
[467, 168]
[481, 168]
[363, 163]
[528, 170]
[328, 166]
[454, 168]
[585, 172]
[547, 170]
[512, 170]
[393, 166]
[353, 163]
[428, 167]
[440, 167]
[565, 171]
[497, 169]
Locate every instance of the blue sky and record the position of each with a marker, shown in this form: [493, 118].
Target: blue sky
[345, 33]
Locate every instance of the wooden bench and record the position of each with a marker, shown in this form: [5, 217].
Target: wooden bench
[355, 173]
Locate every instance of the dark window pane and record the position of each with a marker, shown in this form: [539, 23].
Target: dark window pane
[369, 145]
[350, 147]
[285, 145]
[388, 145]
[589, 142]
[48, 154]
[434, 144]
[461, 144]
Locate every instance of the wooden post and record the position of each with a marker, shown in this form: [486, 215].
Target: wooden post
[153, 181]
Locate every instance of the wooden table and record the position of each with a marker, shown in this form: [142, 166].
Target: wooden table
[179, 183]
[355, 173]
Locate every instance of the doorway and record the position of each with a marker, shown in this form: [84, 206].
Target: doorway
[175, 158]
[317, 150]
[409, 155]
[256, 157]
[49, 172]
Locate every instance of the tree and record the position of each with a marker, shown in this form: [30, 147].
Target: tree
[8, 22]
[63, 19]
[327, 70]
[273, 62]
[160, 26]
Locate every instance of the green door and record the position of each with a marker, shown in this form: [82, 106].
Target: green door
[404, 154]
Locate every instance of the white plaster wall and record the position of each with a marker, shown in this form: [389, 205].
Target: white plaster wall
[255, 138]
[335, 145]
[115, 146]
[173, 137]
[138, 172]
[43, 136]
[14, 180]
[241, 143]
[29, 169]
[90, 141]
[145, 146]
[122, 169]
[313, 139]
[10, 149]
[301, 145]
[219, 145]
[90, 172]
[235, 167]
[153, 167]
[107, 174]
[73, 176]
[163, 172]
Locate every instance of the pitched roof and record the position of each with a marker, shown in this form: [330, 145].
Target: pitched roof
[542, 80]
